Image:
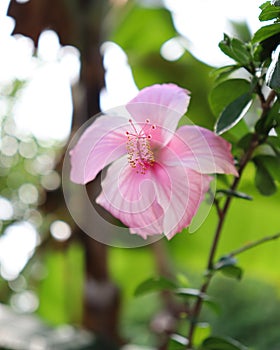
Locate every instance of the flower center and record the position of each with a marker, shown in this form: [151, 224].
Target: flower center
[139, 153]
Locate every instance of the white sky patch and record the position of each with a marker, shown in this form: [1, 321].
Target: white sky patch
[3, 9]
[45, 105]
[203, 23]
[120, 85]
[17, 245]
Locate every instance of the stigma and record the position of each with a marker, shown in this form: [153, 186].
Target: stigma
[139, 153]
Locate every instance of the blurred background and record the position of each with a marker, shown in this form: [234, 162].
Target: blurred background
[62, 62]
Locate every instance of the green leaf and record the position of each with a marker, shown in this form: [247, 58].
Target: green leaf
[271, 163]
[232, 271]
[202, 331]
[182, 280]
[136, 23]
[231, 193]
[235, 49]
[264, 181]
[266, 32]
[226, 92]
[274, 143]
[191, 292]
[224, 45]
[227, 265]
[223, 72]
[195, 293]
[265, 4]
[177, 342]
[269, 11]
[273, 72]
[219, 343]
[263, 51]
[233, 113]
[245, 141]
[154, 284]
[225, 261]
[272, 120]
[240, 51]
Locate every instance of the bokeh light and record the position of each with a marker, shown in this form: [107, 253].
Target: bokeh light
[6, 209]
[17, 245]
[60, 230]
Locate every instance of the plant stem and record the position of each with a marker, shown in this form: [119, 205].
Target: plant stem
[222, 212]
[254, 244]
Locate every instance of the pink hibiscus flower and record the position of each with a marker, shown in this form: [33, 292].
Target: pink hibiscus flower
[158, 176]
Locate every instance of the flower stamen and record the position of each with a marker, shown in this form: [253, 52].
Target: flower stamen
[139, 153]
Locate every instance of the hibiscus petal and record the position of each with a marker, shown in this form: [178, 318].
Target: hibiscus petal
[179, 193]
[198, 186]
[199, 149]
[100, 144]
[167, 95]
[130, 197]
[163, 105]
[164, 200]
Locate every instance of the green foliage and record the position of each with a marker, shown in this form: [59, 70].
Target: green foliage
[233, 113]
[227, 265]
[190, 293]
[229, 101]
[236, 194]
[267, 172]
[272, 120]
[154, 284]
[137, 24]
[58, 290]
[274, 143]
[220, 74]
[269, 11]
[226, 92]
[273, 73]
[177, 342]
[202, 331]
[266, 32]
[219, 343]
[249, 308]
[236, 49]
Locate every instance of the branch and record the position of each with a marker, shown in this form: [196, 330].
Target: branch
[254, 244]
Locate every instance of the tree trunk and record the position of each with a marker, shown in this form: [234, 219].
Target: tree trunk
[78, 23]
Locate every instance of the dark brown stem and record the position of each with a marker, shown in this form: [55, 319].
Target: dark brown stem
[266, 104]
[218, 208]
[222, 212]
